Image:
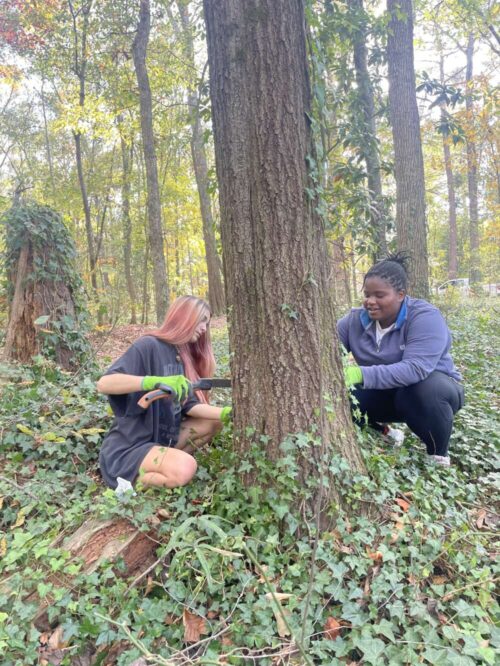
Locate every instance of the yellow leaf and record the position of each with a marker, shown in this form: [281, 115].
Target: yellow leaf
[3, 547]
[1, 501]
[90, 431]
[19, 520]
[24, 429]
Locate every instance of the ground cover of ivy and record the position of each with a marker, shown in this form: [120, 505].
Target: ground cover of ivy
[409, 579]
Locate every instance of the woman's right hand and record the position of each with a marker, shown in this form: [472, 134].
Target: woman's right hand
[178, 383]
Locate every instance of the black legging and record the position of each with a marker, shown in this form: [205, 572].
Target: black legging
[426, 407]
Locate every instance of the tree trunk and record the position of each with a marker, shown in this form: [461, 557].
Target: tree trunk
[408, 159]
[139, 48]
[127, 226]
[452, 206]
[276, 267]
[475, 272]
[214, 269]
[47, 147]
[369, 130]
[80, 69]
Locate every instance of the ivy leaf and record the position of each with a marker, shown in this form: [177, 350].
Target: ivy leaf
[372, 648]
[42, 320]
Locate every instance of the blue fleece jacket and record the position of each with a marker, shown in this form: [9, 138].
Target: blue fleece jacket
[418, 344]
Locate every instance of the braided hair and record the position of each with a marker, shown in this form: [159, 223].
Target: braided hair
[393, 269]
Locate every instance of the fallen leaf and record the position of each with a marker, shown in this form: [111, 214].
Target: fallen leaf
[439, 580]
[480, 518]
[163, 513]
[56, 641]
[19, 520]
[149, 585]
[280, 596]
[432, 606]
[170, 619]
[3, 547]
[194, 626]
[332, 628]
[279, 611]
[376, 556]
[403, 504]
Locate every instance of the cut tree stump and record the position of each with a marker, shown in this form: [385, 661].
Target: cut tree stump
[96, 542]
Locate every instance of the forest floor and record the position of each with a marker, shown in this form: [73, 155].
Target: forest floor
[109, 343]
[217, 573]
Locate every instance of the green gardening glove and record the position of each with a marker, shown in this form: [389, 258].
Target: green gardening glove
[176, 382]
[226, 416]
[353, 375]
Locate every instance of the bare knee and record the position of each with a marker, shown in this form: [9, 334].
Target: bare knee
[184, 471]
[173, 467]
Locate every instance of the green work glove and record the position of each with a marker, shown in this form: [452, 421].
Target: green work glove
[176, 382]
[353, 375]
[226, 416]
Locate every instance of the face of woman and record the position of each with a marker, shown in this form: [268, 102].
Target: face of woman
[201, 327]
[382, 301]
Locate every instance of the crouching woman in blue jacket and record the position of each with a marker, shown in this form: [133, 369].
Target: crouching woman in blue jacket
[404, 370]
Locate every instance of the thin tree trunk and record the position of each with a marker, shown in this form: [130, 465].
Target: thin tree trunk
[369, 131]
[408, 159]
[127, 154]
[276, 267]
[80, 69]
[145, 285]
[156, 239]
[47, 147]
[475, 272]
[452, 206]
[214, 270]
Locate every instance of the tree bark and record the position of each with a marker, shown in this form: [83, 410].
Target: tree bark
[452, 206]
[369, 130]
[475, 272]
[127, 226]
[156, 239]
[276, 268]
[214, 269]
[408, 159]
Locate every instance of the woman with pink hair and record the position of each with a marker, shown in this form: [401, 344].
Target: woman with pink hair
[155, 444]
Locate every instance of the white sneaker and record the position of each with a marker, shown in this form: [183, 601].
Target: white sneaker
[439, 460]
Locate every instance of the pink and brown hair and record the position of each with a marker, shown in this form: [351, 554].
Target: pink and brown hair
[181, 321]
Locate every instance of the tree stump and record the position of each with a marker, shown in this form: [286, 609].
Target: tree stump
[97, 541]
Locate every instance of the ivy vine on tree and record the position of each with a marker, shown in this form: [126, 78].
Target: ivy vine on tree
[44, 291]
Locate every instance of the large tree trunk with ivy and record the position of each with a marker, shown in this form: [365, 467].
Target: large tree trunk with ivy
[369, 149]
[408, 159]
[44, 309]
[286, 370]
[475, 272]
[156, 239]
[214, 268]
